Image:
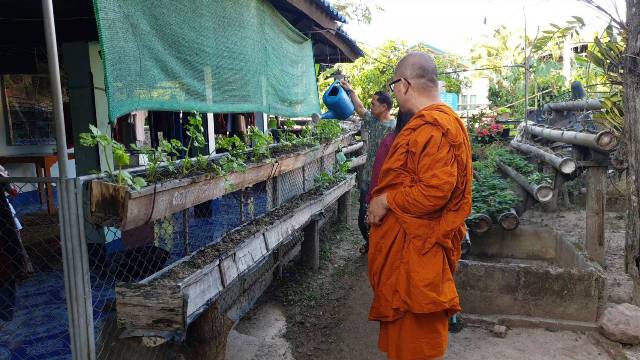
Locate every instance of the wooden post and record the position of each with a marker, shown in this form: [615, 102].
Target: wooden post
[185, 233]
[311, 244]
[207, 336]
[344, 205]
[596, 198]
[270, 193]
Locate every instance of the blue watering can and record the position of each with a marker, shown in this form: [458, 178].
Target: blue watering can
[338, 102]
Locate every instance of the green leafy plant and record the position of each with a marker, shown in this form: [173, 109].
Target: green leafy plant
[518, 163]
[259, 143]
[120, 157]
[172, 149]
[339, 173]
[492, 194]
[195, 132]
[233, 145]
[328, 130]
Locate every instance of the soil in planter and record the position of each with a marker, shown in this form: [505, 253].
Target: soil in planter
[230, 241]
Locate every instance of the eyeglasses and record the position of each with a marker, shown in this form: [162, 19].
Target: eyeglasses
[392, 84]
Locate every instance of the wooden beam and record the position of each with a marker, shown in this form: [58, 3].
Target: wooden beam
[344, 207]
[596, 201]
[316, 13]
[341, 44]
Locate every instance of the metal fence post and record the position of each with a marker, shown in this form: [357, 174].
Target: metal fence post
[76, 270]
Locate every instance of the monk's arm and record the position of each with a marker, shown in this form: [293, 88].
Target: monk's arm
[430, 190]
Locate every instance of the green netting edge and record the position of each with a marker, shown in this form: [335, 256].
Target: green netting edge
[113, 117]
[104, 64]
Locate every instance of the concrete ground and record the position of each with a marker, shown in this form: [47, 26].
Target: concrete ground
[262, 337]
[323, 315]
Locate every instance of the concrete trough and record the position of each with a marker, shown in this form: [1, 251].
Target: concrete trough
[529, 272]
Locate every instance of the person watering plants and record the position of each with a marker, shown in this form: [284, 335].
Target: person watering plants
[417, 216]
[376, 123]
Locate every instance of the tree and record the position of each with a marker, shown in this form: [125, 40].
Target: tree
[373, 72]
[358, 10]
[632, 136]
[504, 56]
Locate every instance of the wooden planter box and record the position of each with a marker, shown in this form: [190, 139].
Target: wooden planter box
[120, 207]
[167, 302]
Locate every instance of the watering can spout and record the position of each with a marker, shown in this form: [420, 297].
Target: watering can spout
[328, 115]
[338, 102]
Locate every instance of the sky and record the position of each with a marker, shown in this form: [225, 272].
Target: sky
[455, 25]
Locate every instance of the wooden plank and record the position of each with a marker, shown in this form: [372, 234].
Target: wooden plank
[596, 201]
[277, 233]
[150, 307]
[229, 269]
[250, 252]
[202, 286]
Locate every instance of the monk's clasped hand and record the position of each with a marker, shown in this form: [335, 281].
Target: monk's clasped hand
[377, 210]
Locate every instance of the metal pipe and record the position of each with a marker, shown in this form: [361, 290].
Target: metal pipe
[479, 223]
[542, 193]
[605, 140]
[579, 105]
[85, 272]
[509, 220]
[563, 164]
[56, 86]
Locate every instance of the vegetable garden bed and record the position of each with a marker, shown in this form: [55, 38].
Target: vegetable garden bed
[167, 302]
[124, 208]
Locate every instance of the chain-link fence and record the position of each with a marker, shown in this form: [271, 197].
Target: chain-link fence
[37, 287]
[136, 254]
[33, 310]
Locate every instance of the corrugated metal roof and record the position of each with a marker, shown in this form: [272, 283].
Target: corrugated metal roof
[331, 10]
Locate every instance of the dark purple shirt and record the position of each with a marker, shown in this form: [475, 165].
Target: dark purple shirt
[381, 156]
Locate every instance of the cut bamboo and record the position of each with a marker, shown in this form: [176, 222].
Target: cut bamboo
[580, 105]
[479, 223]
[542, 193]
[605, 140]
[509, 220]
[563, 164]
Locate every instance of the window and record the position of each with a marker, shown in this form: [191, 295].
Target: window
[463, 102]
[473, 102]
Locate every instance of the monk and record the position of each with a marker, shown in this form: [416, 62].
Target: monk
[417, 217]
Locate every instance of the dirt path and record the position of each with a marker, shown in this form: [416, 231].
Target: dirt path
[324, 316]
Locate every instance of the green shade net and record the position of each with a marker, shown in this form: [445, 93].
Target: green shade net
[206, 56]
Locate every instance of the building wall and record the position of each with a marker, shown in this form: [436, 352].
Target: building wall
[474, 97]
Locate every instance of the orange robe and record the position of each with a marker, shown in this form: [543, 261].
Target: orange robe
[427, 177]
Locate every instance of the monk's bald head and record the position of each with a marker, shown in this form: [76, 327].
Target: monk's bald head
[420, 69]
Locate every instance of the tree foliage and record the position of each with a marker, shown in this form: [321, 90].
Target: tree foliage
[360, 11]
[373, 72]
